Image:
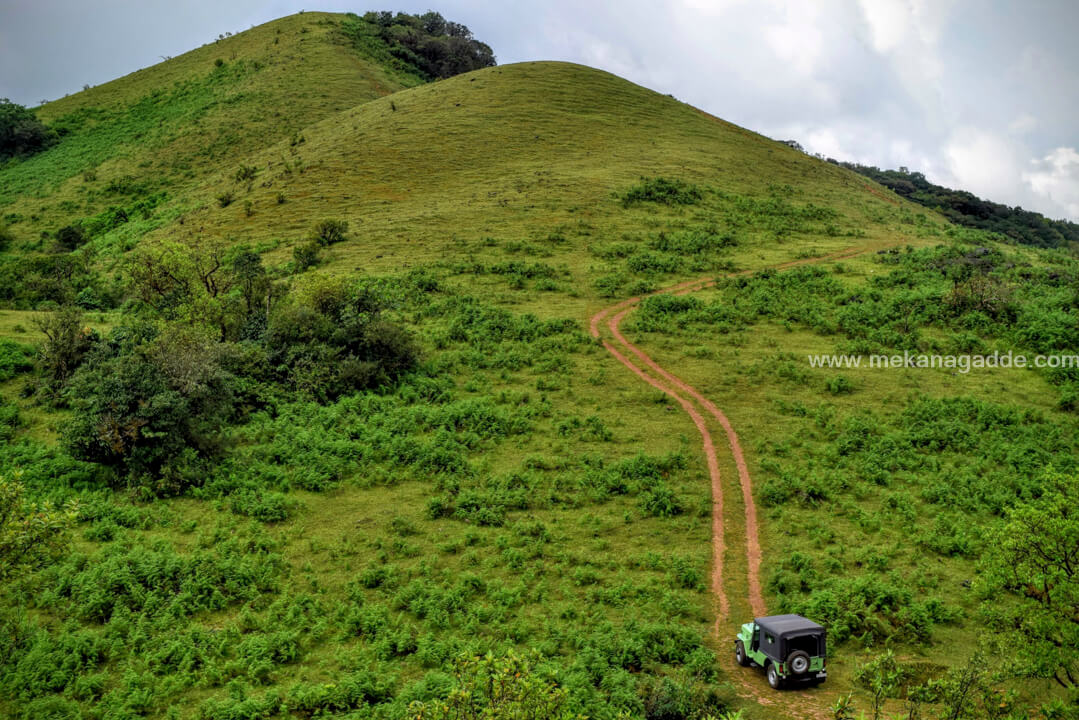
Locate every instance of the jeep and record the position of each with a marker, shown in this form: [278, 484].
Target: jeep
[790, 648]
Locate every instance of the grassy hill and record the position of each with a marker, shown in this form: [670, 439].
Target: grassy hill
[157, 131]
[419, 453]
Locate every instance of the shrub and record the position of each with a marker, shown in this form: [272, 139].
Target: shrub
[15, 358]
[225, 199]
[663, 191]
[839, 385]
[246, 173]
[330, 232]
[660, 501]
[66, 343]
[504, 687]
[307, 255]
[150, 407]
[9, 420]
[336, 340]
[262, 505]
[21, 133]
[6, 237]
[71, 237]
[30, 534]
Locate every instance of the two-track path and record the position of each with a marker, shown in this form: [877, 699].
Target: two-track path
[699, 408]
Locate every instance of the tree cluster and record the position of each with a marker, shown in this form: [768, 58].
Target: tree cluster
[210, 337]
[427, 45]
[21, 133]
[964, 208]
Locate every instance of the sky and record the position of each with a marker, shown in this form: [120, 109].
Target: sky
[981, 95]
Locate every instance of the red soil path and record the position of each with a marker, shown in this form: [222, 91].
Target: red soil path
[693, 402]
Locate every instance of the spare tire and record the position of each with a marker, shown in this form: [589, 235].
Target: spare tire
[798, 662]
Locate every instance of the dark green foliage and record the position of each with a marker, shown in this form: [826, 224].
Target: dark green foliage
[426, 47]
[337, 341]
[225, 199]
[7, 237]
[307, 255]
[150, 406]
[21, 133]
[330, 232]
[26, 280]
[964, 208]
[9, 420]
[67, 341]
[71, 237]
[15, 358]
[680, 699]
[664, 191]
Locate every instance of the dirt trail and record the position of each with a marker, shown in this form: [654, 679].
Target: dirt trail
[808, 705]
[713, 473]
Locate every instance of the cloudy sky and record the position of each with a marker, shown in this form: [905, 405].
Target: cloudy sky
[978, 94]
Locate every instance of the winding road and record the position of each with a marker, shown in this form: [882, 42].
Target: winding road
[804, 704]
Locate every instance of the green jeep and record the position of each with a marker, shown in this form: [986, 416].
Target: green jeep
[790, 648]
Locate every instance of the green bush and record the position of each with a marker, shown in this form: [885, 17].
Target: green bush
[21, 133]
[15, 358]
[663, 191]
[307, 255]
[9, 420]
[336, 340]
[150, 406]
[67, 342]
[660, 501]
[71, 237]
[7, 238]
[330, 232]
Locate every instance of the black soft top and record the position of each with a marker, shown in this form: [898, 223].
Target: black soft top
[785, 626]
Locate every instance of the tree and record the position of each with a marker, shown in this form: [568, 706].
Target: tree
[150, 405]
[189, 281]
[1036, 561]
[30, 533]
[333, 339]
[21, 133]
[67, 341]
[71, 237]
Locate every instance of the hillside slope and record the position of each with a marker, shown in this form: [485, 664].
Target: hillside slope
[159, 128]
[518, 152]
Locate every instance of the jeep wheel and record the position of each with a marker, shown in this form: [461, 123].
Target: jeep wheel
[798, 662]
[740, 653]
[773, 677]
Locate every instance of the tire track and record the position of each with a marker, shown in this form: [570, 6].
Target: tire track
[718, 547]
[802, 704]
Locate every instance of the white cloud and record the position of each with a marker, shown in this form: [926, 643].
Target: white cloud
[1056, 178]
[797, 40]
[982, 162]
[888, 22]
[1023, 123]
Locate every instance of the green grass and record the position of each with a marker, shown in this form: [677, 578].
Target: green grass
[167, 126]
[492, 500]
